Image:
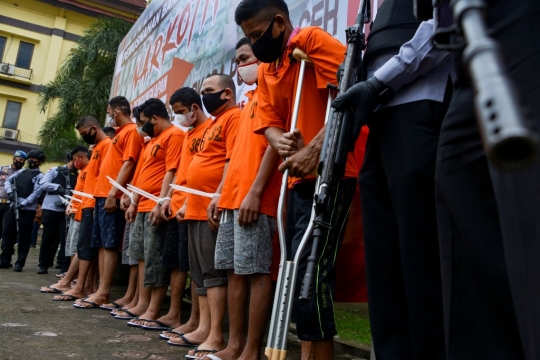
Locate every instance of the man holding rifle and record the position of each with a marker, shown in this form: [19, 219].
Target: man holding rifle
[23, 188]
[268, 26]
[397, 180]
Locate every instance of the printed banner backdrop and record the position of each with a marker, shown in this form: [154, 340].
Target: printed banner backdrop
[178, 43]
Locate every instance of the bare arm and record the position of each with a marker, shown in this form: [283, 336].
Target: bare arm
[213, 210]
[249, 209]
[123, 176]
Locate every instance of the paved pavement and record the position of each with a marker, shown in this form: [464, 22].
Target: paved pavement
[34, 327]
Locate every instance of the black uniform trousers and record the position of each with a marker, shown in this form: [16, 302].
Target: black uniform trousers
[54, 232]
[4, 208]
[400, 232]
[480, 322]
[9, 236]
[516, 195]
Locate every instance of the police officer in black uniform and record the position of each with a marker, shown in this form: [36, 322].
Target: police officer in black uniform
[22, 186]
[59, 180]
[19, 158]
[489, 218]
[397, 181]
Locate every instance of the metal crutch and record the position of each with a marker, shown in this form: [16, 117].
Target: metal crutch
[276, 348]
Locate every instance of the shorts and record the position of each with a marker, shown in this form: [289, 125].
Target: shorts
[315, 318]
[128, 232]
[175, 251]
[108, 230]
[202, 247]
[146, 244]
[72, 237]
[246, 249]
[84, 249]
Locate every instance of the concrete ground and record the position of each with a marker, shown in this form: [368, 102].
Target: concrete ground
[34, 327]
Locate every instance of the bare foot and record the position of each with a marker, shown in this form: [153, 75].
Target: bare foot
[227, 354]
[187, 328]
[53, 289]
[170, 321]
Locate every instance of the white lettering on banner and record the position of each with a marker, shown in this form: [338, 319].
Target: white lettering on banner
[202, 33]
[154, 91]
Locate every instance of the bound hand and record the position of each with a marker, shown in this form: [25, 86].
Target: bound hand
[290, 143]
[214, 214]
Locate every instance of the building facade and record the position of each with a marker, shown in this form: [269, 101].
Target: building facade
[35, 38]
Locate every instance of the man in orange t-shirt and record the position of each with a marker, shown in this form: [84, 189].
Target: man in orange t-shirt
[268, 26]
[91, 132]
[187, 105]
[205, 173]
[248, 222]
[109, 221]
[160, 161]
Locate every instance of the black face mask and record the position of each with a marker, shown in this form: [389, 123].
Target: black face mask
[18, 164]
[33, 164]
[148, 129]
[267, 49]
[213, 101]
[90, 138]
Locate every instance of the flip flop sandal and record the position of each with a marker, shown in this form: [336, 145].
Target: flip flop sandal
[161, 327]
[115, 307]
[211, 357]
[94, 305]
[132, 323]
[196, 350]
[186, 343]
[67, 297]
[129, 317]
[60, 276]
[50, 290]
[163, 336]
[201, 350]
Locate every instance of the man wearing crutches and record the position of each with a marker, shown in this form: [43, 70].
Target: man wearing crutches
[268, 26]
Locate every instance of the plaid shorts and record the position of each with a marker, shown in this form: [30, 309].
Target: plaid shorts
[72, 236]
[246, 249]
[146, 244]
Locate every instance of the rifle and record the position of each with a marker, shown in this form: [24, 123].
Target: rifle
[16, 203]
[336, 146]
[507, 137]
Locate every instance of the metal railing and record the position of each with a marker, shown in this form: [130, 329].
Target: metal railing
[12, 70]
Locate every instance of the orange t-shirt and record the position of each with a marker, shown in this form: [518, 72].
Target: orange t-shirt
[92, 171]
[189, 148]
[246, 159]
[277, 87]
[205, 171]
[75, 205]
[160, 156]
[126, 145]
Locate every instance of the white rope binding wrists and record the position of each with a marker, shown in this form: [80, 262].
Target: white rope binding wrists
[152, 197]
[195, 192]
[122, 189]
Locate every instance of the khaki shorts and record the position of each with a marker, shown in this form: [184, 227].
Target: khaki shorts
[201, 248]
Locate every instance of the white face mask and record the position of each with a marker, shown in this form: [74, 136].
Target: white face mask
[111, 121]
[248, 73]
[186, 120]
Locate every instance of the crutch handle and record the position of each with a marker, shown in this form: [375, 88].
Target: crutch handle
[300, 55]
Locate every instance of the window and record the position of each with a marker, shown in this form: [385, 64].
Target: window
[11, 117]
[3, 41]
[24, 57]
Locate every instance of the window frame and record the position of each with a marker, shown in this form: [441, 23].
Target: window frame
[31, 55]
[18, 116]
[3, 49]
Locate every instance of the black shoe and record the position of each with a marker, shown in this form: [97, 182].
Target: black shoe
[57, 266]
[5, 266]
[42, 271]
[17, 268]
